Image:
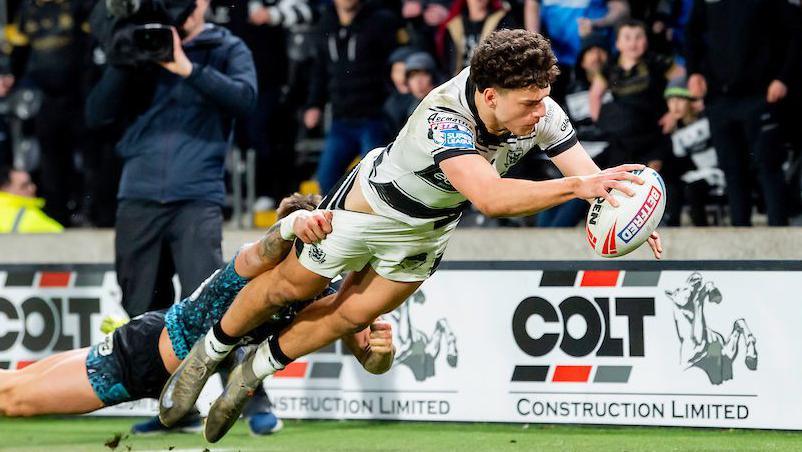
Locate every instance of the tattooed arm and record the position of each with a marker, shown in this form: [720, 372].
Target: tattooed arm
[258, 257]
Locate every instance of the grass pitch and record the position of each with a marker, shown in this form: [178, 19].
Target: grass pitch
[54, 434]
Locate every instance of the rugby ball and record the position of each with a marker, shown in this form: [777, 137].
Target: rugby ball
[616, 231]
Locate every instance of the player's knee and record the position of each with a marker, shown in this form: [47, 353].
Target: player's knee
[280, 298]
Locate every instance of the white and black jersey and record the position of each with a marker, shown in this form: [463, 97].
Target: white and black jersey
[404, 181]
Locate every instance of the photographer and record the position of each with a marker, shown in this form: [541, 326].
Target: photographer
[181, 114]
[172, 186]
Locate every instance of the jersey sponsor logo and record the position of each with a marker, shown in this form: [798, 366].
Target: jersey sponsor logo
[564, 125]
[447, 118]
[451, 135]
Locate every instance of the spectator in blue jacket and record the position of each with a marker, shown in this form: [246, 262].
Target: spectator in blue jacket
[172, 187]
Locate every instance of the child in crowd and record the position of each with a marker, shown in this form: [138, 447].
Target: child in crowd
[692, 172]
[635, 121]
[419, 77]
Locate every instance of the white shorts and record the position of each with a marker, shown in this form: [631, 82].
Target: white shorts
[395, 250]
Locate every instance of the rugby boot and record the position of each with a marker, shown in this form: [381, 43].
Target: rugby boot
[184, 386]
[225, 411]
[192, 423]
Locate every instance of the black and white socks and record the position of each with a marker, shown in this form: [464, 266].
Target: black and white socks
[269, 358]
[218, 344]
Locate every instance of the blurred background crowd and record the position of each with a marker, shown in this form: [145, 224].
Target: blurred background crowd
[707, 93]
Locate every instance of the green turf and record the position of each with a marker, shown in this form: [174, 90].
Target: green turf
[90, 433]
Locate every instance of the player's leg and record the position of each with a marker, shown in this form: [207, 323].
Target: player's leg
[37, 367]
[10, 377]
[296, 278]
[59, 386]
[170, 361]
[254, 304]
[401, 258]
[268, 293]
[186, 321]
[363, 297]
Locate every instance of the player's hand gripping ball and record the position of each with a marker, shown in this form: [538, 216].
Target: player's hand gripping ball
[616, 231]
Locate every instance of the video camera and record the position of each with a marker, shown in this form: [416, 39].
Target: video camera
[133, 32]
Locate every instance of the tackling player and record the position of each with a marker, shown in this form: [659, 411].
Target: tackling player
[135, 361]
[395, 212]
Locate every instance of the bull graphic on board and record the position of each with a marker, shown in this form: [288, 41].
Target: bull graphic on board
[701, 346]
[416, 349]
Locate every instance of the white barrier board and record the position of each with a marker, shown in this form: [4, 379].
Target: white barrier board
[682, 348]
[511, 343]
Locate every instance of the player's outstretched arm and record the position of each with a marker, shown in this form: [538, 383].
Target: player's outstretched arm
[296, 219]
[373, 346]
[495, 196]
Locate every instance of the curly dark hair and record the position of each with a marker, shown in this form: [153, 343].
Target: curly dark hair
[512, 59]
[297, 201]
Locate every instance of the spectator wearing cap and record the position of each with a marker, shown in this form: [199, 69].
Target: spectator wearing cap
[20, 209]
[467, 24]
[691, 171]
[420, 77]
[398, 70]
[354, 38]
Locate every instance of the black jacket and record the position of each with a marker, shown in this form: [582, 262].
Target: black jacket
[176, 146]
[740, 46]
[349, 62]
[58, 52]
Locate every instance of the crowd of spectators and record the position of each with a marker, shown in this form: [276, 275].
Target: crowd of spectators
[707, 93]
